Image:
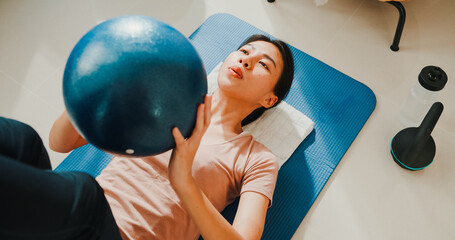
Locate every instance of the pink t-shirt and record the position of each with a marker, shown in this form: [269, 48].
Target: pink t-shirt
[145, 206]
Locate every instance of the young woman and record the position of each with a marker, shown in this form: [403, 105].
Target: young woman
[175, 195]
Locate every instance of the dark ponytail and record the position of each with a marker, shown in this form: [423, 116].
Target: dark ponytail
[284, 82]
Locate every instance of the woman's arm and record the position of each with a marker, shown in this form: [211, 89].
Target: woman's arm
[210, 222]
[63, 136]
[250, 217]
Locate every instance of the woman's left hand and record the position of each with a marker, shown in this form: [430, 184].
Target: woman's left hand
[182, 157]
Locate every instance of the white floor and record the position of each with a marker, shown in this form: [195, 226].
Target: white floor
[368, 196]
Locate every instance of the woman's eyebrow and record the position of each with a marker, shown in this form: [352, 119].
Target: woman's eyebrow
[264, 54]
[270, 58]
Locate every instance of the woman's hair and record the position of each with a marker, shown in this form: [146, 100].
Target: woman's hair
[284, 82]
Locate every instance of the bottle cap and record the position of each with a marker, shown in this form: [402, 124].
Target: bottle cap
[432, 78]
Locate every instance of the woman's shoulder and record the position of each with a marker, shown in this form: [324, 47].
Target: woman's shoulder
[260, 153]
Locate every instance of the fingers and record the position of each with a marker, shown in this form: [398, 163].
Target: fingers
[178, 137]
[204, 114]
[200, 118]
[208, 110]
[202, 122]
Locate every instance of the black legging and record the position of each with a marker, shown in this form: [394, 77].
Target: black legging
[36, 203]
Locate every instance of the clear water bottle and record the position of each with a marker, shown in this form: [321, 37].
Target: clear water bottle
[422, 95]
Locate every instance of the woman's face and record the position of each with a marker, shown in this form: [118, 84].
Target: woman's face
[251, 73]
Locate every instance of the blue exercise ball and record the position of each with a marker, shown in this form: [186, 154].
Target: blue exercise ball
[129, 81]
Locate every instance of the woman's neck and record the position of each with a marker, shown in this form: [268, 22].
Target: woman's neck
[227, 116]
[229, 112]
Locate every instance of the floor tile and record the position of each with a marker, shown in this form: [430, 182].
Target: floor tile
[20, 104]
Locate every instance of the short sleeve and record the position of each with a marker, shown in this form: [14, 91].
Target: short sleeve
[260, 172]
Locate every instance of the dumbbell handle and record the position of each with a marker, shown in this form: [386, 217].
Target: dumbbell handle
[424, 132]
[431, 118]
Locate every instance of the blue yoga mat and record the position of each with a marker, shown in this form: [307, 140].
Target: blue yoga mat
[338, 105]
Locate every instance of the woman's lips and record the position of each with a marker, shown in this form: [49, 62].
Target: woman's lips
[236, 72]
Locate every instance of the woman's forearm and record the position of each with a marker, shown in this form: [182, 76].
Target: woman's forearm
[211, 224]
[63, 137]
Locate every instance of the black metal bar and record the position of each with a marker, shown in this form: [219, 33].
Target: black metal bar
[400, 26]
[270, 0]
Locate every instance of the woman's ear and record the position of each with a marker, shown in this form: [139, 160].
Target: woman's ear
[269, 100]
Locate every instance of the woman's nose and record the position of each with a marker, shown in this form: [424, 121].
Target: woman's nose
[245, 63]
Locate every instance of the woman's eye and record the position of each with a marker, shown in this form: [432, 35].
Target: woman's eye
[264, 65]
[244, 51]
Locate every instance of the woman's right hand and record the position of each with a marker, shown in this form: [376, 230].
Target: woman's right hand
[63, 137]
